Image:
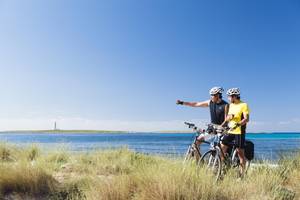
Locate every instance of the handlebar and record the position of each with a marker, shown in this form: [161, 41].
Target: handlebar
[190, 125]
[211, 128]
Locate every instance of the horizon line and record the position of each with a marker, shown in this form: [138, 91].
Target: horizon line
[126, 131]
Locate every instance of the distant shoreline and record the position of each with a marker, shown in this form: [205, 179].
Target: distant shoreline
[63, 131]
[118, 132]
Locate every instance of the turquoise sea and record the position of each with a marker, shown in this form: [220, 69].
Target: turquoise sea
[267, 145]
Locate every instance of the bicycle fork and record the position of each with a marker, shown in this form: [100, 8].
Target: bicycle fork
[216, 157]
[192, 152]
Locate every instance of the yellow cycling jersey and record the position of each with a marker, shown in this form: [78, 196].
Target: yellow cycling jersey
[237, 110]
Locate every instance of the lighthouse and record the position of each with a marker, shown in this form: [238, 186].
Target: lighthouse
[55, 128]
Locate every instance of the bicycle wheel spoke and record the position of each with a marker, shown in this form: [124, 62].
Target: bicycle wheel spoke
[212, 162]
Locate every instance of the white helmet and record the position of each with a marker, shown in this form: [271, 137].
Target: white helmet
[216, 90]
[233, 91]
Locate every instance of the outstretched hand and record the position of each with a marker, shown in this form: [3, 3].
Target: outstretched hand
[178, 102]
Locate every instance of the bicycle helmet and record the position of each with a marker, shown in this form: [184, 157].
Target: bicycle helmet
[216, 90]
[233, 91]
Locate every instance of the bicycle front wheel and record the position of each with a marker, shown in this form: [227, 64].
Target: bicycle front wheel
[212, 161]
[191, 154]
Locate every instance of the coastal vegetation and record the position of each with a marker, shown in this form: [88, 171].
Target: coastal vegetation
[32, 173]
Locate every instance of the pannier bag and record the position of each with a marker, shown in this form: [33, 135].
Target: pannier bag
[249, 150]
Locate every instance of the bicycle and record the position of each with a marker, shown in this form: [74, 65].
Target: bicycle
[212, 158]
[193, 151]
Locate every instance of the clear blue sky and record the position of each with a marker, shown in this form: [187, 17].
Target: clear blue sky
[122, 64]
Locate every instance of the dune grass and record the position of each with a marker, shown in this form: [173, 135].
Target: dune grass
[29, 173]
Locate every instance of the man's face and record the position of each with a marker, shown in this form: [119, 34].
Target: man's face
[214, 98]
[231, 99]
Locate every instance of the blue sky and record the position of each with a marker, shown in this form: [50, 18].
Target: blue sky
[122, 64]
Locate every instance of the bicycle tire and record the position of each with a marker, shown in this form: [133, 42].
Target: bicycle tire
[190, 154]
[212, 161]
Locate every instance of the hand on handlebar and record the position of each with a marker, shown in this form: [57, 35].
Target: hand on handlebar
[233, 125]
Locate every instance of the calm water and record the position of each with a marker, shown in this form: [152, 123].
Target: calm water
[267, 146]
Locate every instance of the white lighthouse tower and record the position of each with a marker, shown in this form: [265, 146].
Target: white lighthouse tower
[55, 127]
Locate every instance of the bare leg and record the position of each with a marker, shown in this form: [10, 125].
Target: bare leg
[241, 154]
[224, 150]
[199, 141]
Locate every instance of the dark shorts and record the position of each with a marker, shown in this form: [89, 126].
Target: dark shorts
[237, 139]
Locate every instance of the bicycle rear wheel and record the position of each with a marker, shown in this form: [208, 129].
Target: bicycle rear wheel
[212, 161]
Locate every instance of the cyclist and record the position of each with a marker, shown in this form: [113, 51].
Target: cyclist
[218, 111]
[237, 118]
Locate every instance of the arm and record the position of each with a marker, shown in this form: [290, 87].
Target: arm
[226, 113]
[194, 104]
[245, 120]
[229, 117]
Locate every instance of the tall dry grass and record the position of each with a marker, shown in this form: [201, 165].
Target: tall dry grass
[122, 174]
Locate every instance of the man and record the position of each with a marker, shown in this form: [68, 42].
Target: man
[237, 118]
[218, 110]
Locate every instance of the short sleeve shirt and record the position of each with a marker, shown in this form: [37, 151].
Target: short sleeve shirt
[237, 111]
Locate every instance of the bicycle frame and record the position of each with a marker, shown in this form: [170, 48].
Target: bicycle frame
[230, 158]
[193, 148]
[216, 146]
